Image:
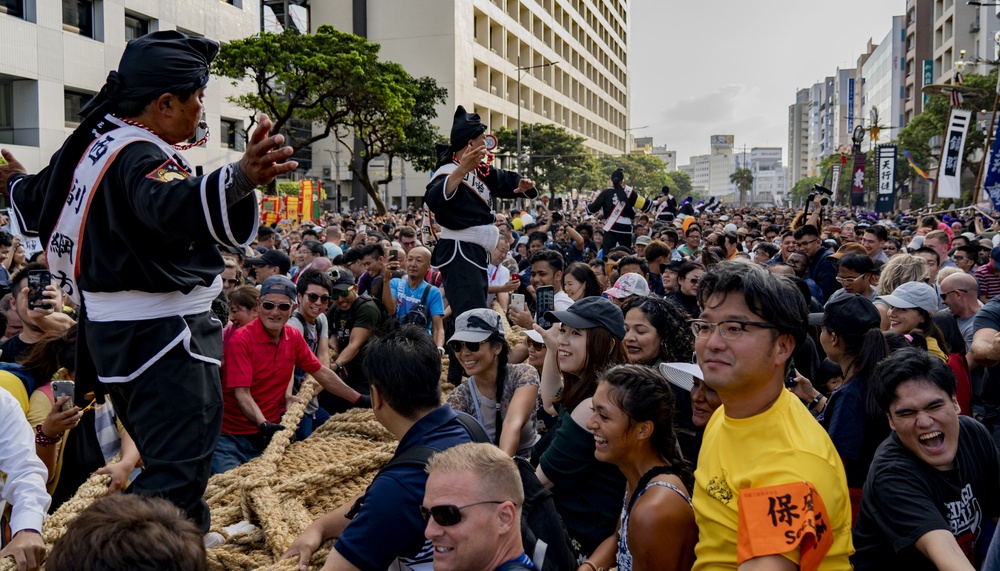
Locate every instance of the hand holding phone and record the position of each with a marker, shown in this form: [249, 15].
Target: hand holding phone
[517, 301]
[64, 389]
[38, 280]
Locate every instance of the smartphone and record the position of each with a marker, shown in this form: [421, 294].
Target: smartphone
[37, 281]
[517, 301]
[64, 389]
[393, 255]
[545, 296]
[363, 228]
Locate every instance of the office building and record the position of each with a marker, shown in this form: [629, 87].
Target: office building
[883, 91]
[477, 50]
[58, 54]
[798, 137]
[918, 65]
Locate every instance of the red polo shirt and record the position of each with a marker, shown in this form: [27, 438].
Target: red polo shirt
[254, 360]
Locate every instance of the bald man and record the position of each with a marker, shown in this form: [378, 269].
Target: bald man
[413, 300]
[960, 292]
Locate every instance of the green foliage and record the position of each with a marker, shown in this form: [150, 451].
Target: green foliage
[802, 188]
[289, 188]
[681, 187]
[551, 156]
[644, 173]
[743, 179]
[932, 120]
[331, 80]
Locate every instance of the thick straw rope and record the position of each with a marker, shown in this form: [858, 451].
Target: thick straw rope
[282, 491]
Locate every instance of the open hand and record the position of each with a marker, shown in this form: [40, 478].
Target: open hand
[261, 160]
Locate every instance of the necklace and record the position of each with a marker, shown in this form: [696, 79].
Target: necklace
[179, 146]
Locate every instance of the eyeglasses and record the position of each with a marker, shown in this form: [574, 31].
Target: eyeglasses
[449, 515]
[270, 305]
[314, 297]
[849, 281]
[944, 294]
[731, 329]
[794, 264]
[337, 293]
[456, 346]
[890, 248]
[806, 243]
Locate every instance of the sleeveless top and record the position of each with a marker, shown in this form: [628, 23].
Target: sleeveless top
[624, 555]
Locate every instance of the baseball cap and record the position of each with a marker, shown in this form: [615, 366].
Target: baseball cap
[995, 254]
[591, 312]
[273, 258]
[681, 375]
[628, 284]
[913, 294]
[533, 335]
[853, 314]
[278, 284]
[477, 325]
[849, 248]
[643, 240]
[342, 278]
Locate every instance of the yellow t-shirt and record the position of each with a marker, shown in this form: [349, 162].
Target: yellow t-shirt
[13, 385]
[783, 445]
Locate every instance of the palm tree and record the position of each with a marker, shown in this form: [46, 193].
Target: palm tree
[743, 179]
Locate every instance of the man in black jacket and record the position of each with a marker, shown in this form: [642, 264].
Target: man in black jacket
[461, 196]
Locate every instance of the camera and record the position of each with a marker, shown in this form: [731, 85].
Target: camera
[820, 190]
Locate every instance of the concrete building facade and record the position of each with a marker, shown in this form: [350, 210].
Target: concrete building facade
[957, 27]
[798, 137]
[478, 49]
[58, 54]
[882, 77]
[918, 64]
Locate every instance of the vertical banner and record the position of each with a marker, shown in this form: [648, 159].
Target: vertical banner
[991, 182]
[835, 181]
[928, 76]
[950, 171]
[850, 105]
[858, 181]
[886, 196]
[306, 192]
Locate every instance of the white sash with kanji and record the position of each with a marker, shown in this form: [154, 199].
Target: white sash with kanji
[617, 212]
[63, 249]
[470, 180]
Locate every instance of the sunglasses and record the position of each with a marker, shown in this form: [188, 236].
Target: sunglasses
[341, 293]
[472, 346]
[314, 297]
[448, 515]
[232, 282]
[270, 305]
[535, 345]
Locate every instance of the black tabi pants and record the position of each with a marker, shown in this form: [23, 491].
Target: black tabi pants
[612, 239]
[173, 411]
[465, 285]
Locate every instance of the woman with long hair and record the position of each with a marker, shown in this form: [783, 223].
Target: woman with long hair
[656, 331]
[498, 394]
[850, 336]
[633, 425]
[580, 281]
[585, 340]
[911, 307]
[900, 269]
[685, 296]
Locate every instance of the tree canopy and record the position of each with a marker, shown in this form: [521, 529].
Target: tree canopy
[551, 156]
[331, 80]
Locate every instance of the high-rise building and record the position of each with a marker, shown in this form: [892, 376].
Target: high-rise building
[770, 178]
[577, 53]
[959, 27]
[883, 83]
[798, 137]
[820, 124]
[842, 109]
[918, 66]
[57, 56]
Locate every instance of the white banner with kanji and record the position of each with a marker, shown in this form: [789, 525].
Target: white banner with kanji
[950, 171]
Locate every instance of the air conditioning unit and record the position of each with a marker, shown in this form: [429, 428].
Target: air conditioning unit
[327, 171]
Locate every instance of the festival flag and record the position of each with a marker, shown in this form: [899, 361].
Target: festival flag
[950, 172]
[991, 184]
[306, 193]
[956, 95]
[858, 181]
[835, 181]
[886, 196]
[923, 174]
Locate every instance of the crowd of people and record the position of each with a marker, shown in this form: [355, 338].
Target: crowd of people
[697, 386]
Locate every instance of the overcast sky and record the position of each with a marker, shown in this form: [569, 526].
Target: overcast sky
[732, 67]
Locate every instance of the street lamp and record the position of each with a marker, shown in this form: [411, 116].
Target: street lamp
[521, 70]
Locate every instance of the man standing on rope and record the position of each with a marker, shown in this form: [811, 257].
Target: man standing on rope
[619, 203]
[118, 184]
[461, 194]
[384, 524]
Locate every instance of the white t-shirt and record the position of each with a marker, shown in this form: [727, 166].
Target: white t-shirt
[498, 275]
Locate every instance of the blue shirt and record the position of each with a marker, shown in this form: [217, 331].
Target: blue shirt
[389, 524]
[406, 298]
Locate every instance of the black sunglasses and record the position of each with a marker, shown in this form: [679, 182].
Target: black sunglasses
[270, 305]
[314, 297]
[536, 345]
[456, 346]
[448, 515]
[338, 293]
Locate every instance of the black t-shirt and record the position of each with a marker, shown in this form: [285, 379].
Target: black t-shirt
[855, 434]
[14, 350]
[904, 499]
[366, 315]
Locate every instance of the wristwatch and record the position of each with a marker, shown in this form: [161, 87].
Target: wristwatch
[336, 367]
